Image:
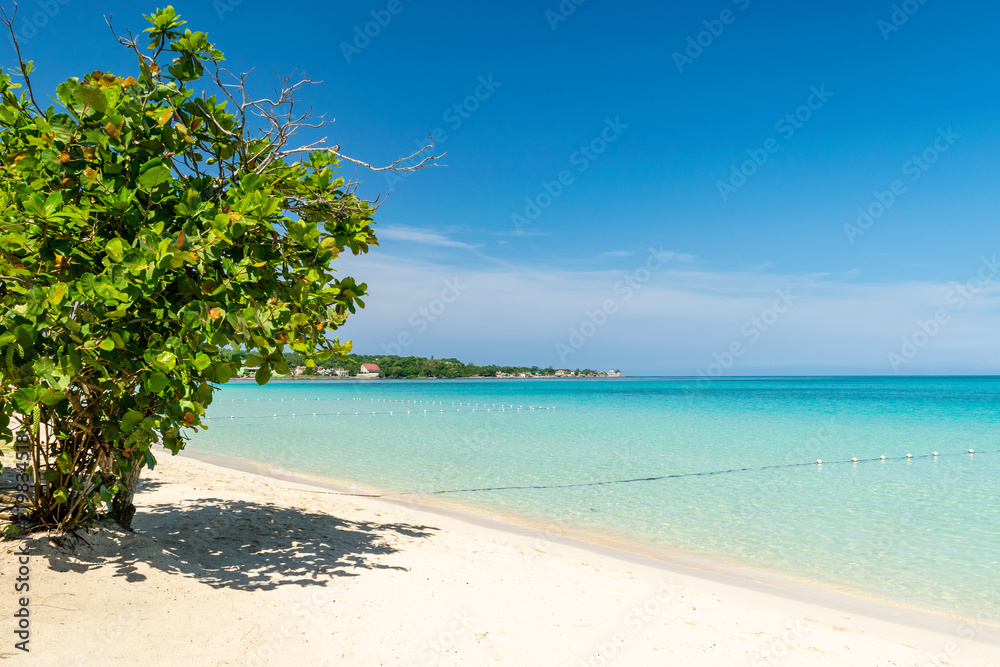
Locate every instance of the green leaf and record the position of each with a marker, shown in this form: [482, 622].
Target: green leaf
[52, 397]
[25, 399]
[263, 374]
[202, 361]
[64, 463]
[115, 249]
[58, 292]
[92, 96]
[165, 360]
[60, 495]
[131, 418]
[223, 372]
[156, 383]
[52, 203]
[107, 345]
[153, 174]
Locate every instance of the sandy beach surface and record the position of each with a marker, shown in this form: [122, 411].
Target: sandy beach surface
[228, 567]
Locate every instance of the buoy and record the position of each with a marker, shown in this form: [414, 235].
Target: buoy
[232, 417]
[972, 451]
[909, 456]
[275, 416]
[935, 453]
[855, 459]
[882, 457]
[819, 461]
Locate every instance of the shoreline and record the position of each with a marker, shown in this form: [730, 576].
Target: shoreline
[624, 548]
[231, 567]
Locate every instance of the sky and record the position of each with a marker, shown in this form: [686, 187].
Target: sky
[727, 187]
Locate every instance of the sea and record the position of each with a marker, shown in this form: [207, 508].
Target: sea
[727, 469]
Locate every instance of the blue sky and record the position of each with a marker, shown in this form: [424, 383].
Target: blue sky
[646, 111]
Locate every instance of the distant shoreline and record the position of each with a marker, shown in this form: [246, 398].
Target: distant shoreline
[354, 377]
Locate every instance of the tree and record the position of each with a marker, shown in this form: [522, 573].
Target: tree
[144, 227]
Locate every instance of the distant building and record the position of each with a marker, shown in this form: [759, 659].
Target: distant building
[340, 373]
[560, 373]
[299, 370]
[614, 374]
[369, 371]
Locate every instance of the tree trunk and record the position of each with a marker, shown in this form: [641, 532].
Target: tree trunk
[122, 509]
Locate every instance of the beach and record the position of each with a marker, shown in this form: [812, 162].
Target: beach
[228, 567]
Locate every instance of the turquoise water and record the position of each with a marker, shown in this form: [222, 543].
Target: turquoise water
[923, 531]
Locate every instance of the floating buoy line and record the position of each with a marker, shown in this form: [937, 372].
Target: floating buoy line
[438, 407]
[728, 471]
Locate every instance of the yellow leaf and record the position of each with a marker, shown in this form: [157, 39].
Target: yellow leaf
[111, 130]
[58, 293]
[164, 117]
[236, 216]
[129, 82]
[64, 157]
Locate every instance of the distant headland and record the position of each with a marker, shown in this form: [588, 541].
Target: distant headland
[396, 367]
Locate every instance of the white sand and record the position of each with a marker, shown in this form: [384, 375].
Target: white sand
[230, 568]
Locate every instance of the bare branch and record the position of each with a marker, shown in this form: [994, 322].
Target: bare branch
[9, 22]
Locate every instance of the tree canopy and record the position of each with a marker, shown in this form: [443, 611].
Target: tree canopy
[147, 221]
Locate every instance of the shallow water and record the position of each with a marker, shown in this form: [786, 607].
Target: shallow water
[922, 531]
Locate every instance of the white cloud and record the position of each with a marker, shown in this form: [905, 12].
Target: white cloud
[417, 235]
[671, 321]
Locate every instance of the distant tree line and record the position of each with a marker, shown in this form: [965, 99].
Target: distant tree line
[393, 366]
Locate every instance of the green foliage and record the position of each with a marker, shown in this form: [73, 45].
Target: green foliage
[143, 228]
[396, 367]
